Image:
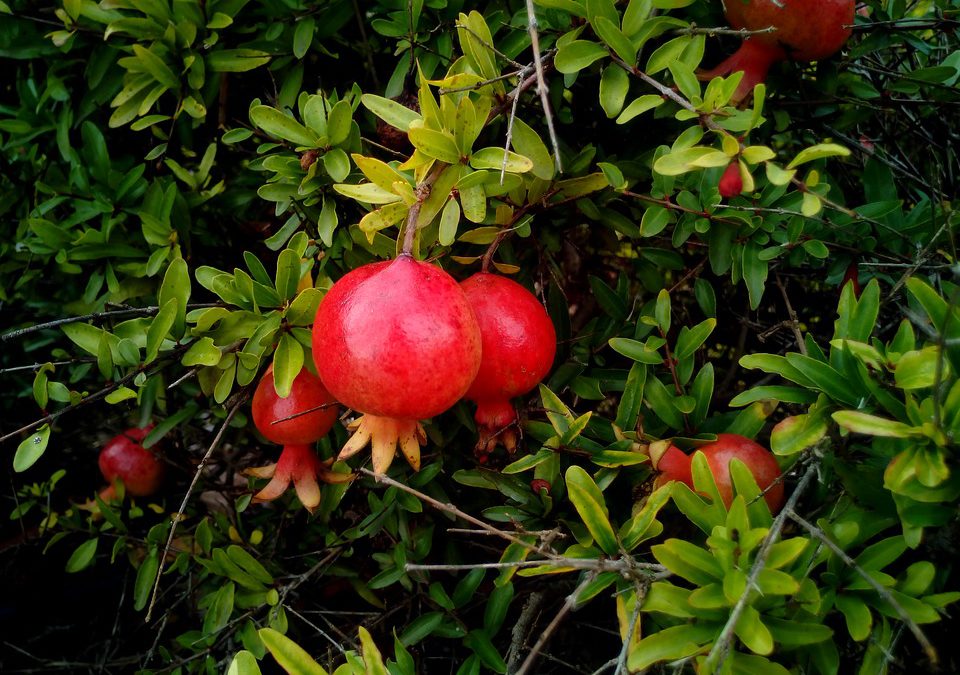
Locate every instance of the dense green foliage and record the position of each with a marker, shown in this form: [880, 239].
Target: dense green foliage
[181, 181]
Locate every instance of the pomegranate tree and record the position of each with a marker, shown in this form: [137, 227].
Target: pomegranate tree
[398, 342]
[519, 343]
[673, 464]
[805, 30]
[125, 459]
[295, 422]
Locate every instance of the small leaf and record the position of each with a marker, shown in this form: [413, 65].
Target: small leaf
[818, 152]
[275, 123]
[872, 425]
[291, 656]
[83, 556]
[588, 500]
[31, 449]
[287, 362]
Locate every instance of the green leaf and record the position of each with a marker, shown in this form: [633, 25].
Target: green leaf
[670, 644]
[753, 633]
[203, 352]
[287, 362]
[449, 222]
[493, 158]
[275, 123]
[857, 615]
[638, 351]
[588, 500]
[236, 60]
[574, 56]
[31, 449]
[691, 340]
[339, 122]
[818, 152]
[244, 663]
[146, 576]
[797, 433]
[918, 369]
[160, 327]
[688, 561]
[395, 114]
[176, 286]
[528, 143]
[291, 656]
[288, 273]
[609, 31]
[421, 627]
[639, 106]
[157, 67]
[628, 411]
[82, 557]
[303, 36]
[372, 660]
[864, 423]
[435, 144]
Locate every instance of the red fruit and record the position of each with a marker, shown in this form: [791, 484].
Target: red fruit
[398, 342]
[125, 458]
[296, 422]
[731, 183]
[675, 465]
[806, 30]
[519, 343]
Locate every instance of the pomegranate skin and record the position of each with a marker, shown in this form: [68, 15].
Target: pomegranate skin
[396, 340]
[807, 30]
[519, 340]
[124, 457]
[758, 459]
[306, 392]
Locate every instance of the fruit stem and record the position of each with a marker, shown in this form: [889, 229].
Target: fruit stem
[422, 192]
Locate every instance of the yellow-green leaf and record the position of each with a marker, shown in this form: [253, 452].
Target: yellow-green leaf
[588, 500]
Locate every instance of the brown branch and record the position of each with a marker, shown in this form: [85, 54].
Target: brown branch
[547, 633]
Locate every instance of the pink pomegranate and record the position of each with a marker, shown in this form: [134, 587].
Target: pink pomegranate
[673, 464]
[519, 343]
[398, 342]
[295, 422]
[124, 458]
[806, 30]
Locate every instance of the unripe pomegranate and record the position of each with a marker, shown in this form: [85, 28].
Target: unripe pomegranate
[731, 182]
[806, 30]
[674, 465]
[519, 343]
[295, 422]
[125, 458]
[398, 342]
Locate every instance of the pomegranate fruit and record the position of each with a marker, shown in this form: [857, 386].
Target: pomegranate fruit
[673, 464]
[806, 30]
[731, 182]
[295, 422]
[519, 343]
[398, 342]
[124, 458]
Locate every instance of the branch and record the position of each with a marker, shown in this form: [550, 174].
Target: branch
[240, 398]
[541, 82]
[422, 192]
[98, 395]
[884, 594]
[518, 635]
[568, 607]
[719, 651]
[96, 316]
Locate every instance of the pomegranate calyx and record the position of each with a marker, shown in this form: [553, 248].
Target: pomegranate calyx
[497, 422]
[385, 435]
[753, 59]
[298, 464]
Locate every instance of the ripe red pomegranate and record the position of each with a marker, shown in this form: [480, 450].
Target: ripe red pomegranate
[519, 343]
[806, 30]
[125, 458]
[675, 465]
[398, 342]
[295, 422]
[731, 182]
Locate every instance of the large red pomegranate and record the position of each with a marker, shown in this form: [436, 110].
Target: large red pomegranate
[295, 422]
[125, 458]
[398, 342]
[519, 343]
[673, 464]
[806, 30]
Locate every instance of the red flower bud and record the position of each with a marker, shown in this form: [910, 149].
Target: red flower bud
[731, 184]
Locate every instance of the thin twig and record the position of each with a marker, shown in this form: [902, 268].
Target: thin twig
[518, 636]
[794, 322]
[96, 316]
[542, 83]
[568, 607]
[625, 649]
[721, 647]
[422, 192]
[883, 592]
[241, 397]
